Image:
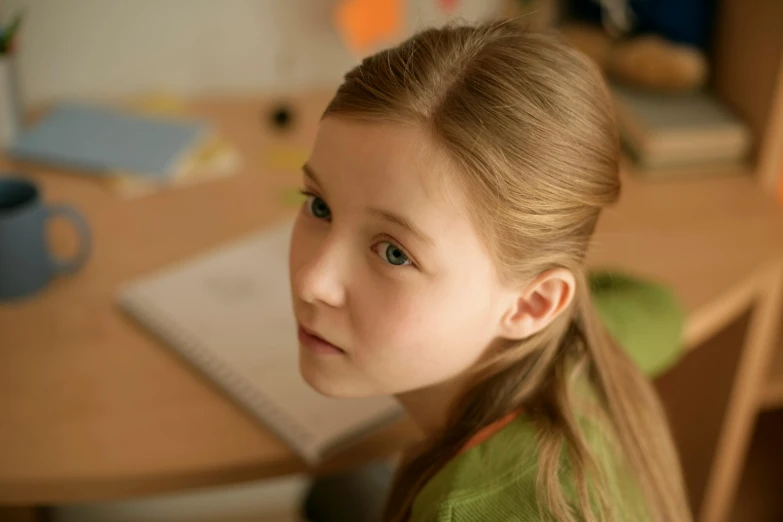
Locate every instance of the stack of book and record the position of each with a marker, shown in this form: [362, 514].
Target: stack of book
[670, 131]
[133, 150]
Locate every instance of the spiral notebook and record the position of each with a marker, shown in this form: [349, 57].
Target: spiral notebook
[228, 313]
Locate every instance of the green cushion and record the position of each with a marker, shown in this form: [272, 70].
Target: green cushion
[643, 316]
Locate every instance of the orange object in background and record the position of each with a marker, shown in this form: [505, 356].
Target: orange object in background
[448, 5]
[364, 24]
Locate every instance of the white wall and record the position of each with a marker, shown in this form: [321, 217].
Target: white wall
[111, 48]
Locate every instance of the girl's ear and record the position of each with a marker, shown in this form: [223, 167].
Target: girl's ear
[538, 304]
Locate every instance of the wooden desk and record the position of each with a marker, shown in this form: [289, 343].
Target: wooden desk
[94, 407]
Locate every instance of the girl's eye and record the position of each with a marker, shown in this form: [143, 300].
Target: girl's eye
[318, 207]
[391, 253]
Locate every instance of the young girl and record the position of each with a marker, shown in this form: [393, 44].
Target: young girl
[453, 187]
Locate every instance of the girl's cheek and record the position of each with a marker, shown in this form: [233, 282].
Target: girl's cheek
[411, 328]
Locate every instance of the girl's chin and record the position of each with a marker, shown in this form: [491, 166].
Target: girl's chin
[336, 376]
[321, 378]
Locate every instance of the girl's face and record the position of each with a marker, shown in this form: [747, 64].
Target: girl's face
[392, 287]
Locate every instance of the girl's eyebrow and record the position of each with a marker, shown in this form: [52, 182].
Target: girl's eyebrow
[404, 223]
[391, 217]
[310, 174]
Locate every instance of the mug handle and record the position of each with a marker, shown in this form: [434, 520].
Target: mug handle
[82, 229]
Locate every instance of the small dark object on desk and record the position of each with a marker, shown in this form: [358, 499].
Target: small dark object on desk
[282, 117]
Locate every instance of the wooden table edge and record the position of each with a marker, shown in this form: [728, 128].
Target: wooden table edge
[709, 319]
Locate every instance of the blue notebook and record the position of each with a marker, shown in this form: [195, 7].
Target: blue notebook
[104, 141]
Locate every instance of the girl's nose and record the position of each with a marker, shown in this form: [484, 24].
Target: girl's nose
[321, 278]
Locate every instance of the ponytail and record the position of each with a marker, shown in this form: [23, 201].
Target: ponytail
[637, 417]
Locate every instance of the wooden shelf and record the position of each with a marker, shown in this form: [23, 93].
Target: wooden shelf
[772, 395]
[753, 88]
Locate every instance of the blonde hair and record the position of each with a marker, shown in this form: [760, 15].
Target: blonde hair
[527, 125]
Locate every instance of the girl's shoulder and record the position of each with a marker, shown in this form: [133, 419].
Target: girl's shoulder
[497, 478]
[494, 478]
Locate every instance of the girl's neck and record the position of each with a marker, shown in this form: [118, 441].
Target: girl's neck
[429, 407]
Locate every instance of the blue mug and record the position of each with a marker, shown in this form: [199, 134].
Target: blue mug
[26, 262]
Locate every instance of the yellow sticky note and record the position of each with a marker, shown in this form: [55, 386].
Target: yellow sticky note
[161, 104]
[364, 24]
[284, 158]
[293, 197]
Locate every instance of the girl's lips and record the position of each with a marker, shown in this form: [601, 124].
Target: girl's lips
[316, 344]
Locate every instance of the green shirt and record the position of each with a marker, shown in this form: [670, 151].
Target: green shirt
[496, 481]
